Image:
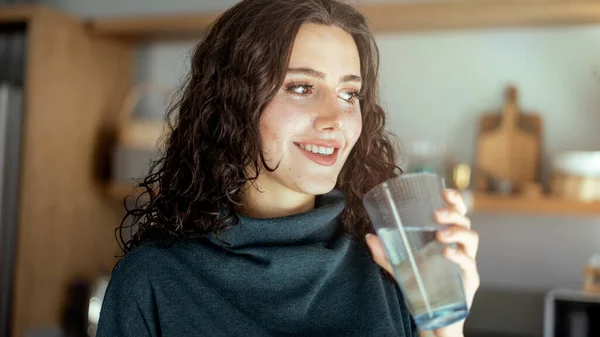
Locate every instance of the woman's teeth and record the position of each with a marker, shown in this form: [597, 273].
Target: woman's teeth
[325, 151]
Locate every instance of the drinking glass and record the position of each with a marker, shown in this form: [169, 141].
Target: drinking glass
[402, 212]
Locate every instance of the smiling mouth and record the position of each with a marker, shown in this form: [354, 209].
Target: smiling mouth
[322, 150]
[322, 155]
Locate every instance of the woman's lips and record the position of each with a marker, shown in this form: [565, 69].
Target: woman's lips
[324, 160]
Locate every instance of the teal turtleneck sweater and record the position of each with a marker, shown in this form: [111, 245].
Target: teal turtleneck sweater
[288, 276]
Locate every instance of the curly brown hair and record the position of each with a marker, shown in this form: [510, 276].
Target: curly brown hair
[196, 184]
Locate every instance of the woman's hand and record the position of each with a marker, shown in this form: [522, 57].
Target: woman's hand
[459, 232]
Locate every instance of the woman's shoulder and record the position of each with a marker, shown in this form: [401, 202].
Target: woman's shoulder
[143, 280]
[143, 257]
[156, 260]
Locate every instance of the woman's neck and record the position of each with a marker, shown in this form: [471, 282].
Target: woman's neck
[261, 202]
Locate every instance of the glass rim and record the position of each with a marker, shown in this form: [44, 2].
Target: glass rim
[400, 176]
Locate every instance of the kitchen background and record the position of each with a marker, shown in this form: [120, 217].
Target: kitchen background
[435, 85]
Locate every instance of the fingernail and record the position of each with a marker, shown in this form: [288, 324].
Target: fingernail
[442, 212]
[451, 251]
[445, 232]
[368, 236]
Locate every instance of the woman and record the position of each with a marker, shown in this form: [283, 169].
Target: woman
[257, 226]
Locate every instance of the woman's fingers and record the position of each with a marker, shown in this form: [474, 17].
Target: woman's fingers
[378, 252]
[452, 217]
[464, 237]
[455, 200]
[468, 266]
[463, 259]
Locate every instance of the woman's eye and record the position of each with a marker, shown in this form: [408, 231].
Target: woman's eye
[351, 96]
[300, 89]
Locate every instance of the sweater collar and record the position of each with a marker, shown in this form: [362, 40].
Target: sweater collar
[317, 225]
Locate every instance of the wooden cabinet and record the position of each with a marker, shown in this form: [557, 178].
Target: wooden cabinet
[66, 221]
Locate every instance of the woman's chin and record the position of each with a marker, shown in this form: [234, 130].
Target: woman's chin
[322, 186]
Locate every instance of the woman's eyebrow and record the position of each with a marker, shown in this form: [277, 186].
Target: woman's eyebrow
[321, 75]
[351, 78]
[308, 72]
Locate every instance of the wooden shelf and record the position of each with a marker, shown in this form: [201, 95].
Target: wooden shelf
[481, 203]
[164, 27]
[17, 13]
[119, 191]
[543, 205]
[11, 14]
[384, 18]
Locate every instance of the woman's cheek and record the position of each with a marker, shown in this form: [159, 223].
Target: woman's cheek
[353, 127]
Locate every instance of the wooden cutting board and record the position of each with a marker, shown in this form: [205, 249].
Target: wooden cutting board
[509, 145]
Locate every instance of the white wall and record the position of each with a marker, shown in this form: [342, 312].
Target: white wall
[434, 85]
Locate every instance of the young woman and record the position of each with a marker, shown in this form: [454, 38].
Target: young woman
[254, 224]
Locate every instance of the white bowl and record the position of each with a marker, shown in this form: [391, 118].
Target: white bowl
[578, 163]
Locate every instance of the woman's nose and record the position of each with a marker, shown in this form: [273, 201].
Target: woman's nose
[329, 116]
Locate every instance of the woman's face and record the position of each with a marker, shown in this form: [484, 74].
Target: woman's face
[311, 125]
